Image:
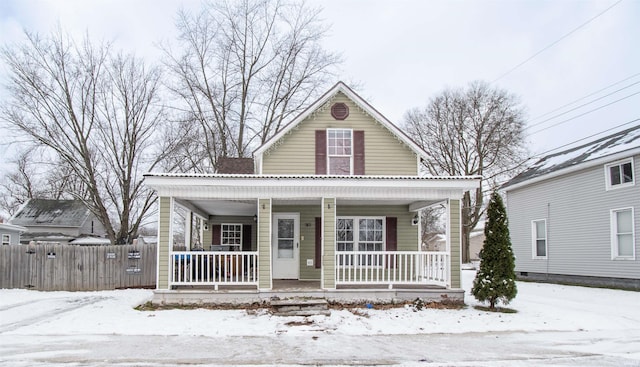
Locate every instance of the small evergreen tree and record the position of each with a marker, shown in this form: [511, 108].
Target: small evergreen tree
[495, 280]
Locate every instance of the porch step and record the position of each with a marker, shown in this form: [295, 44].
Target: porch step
[300, 307]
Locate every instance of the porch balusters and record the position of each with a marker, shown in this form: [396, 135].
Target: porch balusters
[214, 268]
[396, 267]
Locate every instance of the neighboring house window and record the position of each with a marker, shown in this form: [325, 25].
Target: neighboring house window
[622, 234]
[231, 234]
[619, 174]
[6, 239]
[539, 236]
[360, 234]
[340, 151]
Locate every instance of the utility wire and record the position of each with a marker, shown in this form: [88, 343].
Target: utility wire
[582, 114]
[580, 106]
[585, 97]
[556, 42]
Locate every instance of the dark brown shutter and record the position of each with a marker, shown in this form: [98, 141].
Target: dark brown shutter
[321, 152]
[392, 240]
[246, 237]
[318, 260]
[358, 152]
[217, 234]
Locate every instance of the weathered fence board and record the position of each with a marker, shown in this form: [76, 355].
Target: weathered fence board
[77, 268]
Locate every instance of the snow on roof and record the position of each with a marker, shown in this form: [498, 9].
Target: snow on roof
[87, 241]
[579, 156]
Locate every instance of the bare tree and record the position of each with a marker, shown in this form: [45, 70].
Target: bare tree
[472, 131]
[242, 68]
[98, 116]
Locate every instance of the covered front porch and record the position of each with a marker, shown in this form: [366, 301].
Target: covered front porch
[225, 238]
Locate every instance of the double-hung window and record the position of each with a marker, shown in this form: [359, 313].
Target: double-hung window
[340, 151]
[622, 234]
[6, 239]
[539, 238]
[359, 234]
[231, 234]
[619, 174]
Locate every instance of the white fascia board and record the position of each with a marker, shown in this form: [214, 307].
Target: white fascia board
[578, 167]
[13, 227]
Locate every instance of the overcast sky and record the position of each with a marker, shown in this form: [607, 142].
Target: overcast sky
[401, 53]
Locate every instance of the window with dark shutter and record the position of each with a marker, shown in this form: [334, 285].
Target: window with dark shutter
[246, 237]
[318, 255]
[358, 152]
[216, 234]
[391, 240]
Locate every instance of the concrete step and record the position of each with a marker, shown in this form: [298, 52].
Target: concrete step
[300, 307]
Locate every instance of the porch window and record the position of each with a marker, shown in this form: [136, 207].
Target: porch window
[6, 239]
[340, 151]
[622, 234]
[539, 236]
[231, 235]
[619, 174]
[360, 234]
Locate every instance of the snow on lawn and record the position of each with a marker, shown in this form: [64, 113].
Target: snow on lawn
[540, 307]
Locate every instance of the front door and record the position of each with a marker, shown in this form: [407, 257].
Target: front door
[286, 245]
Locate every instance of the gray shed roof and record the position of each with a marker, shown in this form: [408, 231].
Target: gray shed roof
[581, 155]
[44, 212]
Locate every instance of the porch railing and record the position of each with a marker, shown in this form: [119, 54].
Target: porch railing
[392, 268]
[213, 268]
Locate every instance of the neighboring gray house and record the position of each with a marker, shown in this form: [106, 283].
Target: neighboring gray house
[573, 214]
[10, 234]
[58, 221]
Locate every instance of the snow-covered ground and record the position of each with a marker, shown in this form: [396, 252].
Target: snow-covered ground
[555, 326]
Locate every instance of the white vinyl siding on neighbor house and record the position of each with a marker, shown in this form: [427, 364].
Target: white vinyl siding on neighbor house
[580, 210]
[340, 152]
[6, 239]
[619, 174]
[539, 238]
[622, 234]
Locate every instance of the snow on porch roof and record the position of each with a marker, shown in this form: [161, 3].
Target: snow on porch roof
[608, 147]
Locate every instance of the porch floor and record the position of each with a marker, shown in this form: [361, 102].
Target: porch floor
[284, 289]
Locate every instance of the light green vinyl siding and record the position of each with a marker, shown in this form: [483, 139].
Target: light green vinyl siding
[207, 236]
[454, 232]
[308, 216]
[164, 228]
[264, 243]
[384, 153]
[329, 243]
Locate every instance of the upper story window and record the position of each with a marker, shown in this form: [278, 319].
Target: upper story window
[6, 239]
[340, 151]
[619, 174]
[539, 238]
[231, 234]
[622, 234]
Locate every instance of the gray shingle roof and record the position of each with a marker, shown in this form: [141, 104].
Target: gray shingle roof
[44, 212]
[612, 144]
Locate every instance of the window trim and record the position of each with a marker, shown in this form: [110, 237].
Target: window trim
[607, 174]
[329, 155]
[222, 234]
[534, 239]
[614, 234]
[8, 241]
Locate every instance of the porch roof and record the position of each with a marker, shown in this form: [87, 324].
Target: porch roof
[229, 186]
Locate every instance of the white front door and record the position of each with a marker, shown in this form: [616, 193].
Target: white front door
[285, 245]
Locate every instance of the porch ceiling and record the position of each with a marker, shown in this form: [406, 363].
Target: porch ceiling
[249, 207]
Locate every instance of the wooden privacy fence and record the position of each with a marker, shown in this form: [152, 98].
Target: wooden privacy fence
[77, 268]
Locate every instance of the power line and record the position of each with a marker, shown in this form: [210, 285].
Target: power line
[556, 42]
[580, 106]
[584, 97]
[582, 114]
